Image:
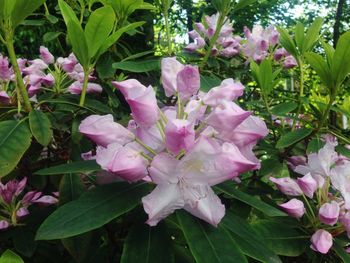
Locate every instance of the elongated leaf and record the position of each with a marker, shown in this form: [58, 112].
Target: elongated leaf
[98, 28]
[147, 245]
[312, 35]
[40, 126]
[67, 12]
[293, 137]
[75, 167]
[228, 189]
[93, 210]
[22, 9]
[340, 250]
[321, 67]
[209, 82]
[287, 42]
[248, 241]
[242, 4]
[10, 257]
[281, 238]
[329, 50]
[284, 108]
[299, 35]
[209, 244]
[341, 62]
[138, 66]
[71, 188]
[15, 139]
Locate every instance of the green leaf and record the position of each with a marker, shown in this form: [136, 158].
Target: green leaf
[67, 168]
[67, 12]
[287, 42]
[98, 28]
[312, 35]
[92, 210]
[293, 137]
[247, 239]
[97, 106]
[116, 35]
[281, 238]
[329, 50]
[138, 66]
[299, 35]
[23, 9]
[40, 126]
[230, 190]
[242, 4]
[284, 108]
[147, 245]
[71, 188]
[321, 67]
[209, 82]
[49, 36]
[10, 257]
[15, 139]
[209, 244]
[341, 62]
[340, 251]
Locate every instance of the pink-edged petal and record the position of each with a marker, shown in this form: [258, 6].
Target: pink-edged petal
[202, 202]
[161, 202]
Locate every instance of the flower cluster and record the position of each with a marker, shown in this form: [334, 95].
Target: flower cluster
[326, 184]
[204, 140]
[14, 205]
[227, 44]
[44, 73]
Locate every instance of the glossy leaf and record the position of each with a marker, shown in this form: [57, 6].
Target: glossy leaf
[10, 257]
[321, 67]
[341, 62]
[40, 126]
[15, 139]
[208, 82]
[287, 42]
[293, 137]
[138, 66]
[92, 210]
[230, 190]
[98, 28]
[207, 243]
[340, 251]
[23, 9]
[299, 35]
[284, 108]
[67, 168]
[312, 35]
[242, 4]
[147, 245]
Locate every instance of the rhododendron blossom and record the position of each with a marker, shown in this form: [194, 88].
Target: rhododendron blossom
[185, 149]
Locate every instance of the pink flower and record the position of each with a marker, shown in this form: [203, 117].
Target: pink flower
[287, 185]
[212, 22]
[46, 56]
[227, 91]
[142, 101]
[280, 53]
[33, 90]
[76, 88]
[290, 62]
[186, 183]
[12, 189]
[170, 69]
[68, 63]
[48, 80]
[179, 135]
[329, 213]
[36, 67]
[294, 161]
[123, 161]
[340, 179]
[149, 136]
[294, 208]
[321, 241]
[103, 130]
[5, 71]
[308, 184]
[195, 111]
[22, 212]
[227, 116]
[4, 224]
[4, 98]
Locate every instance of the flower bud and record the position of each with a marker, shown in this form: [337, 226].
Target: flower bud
[321, 241]
[329, 213]
[294, 208]
[308, 184]
[287, 185]
[46, 56]
[179, 135]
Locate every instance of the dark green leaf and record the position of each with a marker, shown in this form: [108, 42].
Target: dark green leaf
[340, 251]
[10, 257]
[15, 139]
[341, 62]
[287, 42]
[22, 9]
[284, 108]
[230, 190]
[293, 137]
[49, 36]
[92, 210]
[209, 82]
[76, 167]
[209, 244]
[321, 67]
[147, 245]
[312, 35]
[138, 66]
[40, 126]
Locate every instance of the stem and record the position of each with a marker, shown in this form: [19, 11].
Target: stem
[21, 89]
[179, 106]
[82, 11]
[145, 146]
[301, 92]
[326, 113]
[146, 156]
[213, 39]
[309, 206]
[161, 129]
[167, 29]
[85, 84]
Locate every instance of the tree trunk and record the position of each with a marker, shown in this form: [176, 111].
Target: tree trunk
[336, 27]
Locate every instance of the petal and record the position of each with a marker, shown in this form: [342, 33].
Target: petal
[161, 202]
[163, 168]
[202, 202]
[170, 68]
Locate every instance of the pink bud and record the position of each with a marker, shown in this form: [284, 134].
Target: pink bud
[329, 213]
[4, 224]
[22, 212]
[321, 241]
[227, 91]
[46, 56]
[289, 62]
[48, 80]
[103, 130]
[4, 98]
[179, 135]
[188, 82]
[279, 54]
[294, 208]
[5, 72]
[308, 184]
[170, 68]
[294, 161]
[77, 87]
[46, 200]
[287, 185]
